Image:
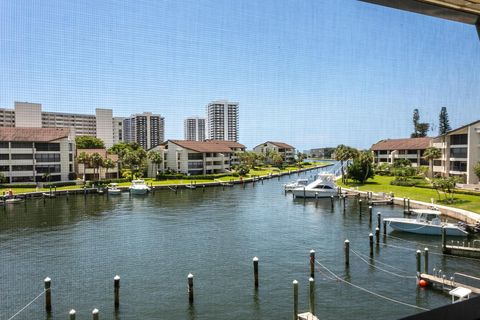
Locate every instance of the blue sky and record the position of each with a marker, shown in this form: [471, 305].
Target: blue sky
[309, 73]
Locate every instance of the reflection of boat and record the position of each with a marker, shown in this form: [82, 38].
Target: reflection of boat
[139, 187]
[48, 195]
[296, 184]
[113, 189]
[323, 187]
[427, 222]
[190, 186]
[13, 200]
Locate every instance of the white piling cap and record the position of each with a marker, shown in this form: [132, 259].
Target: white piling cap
[255, 258]
[72, 312]
[426, 249]
[370, 235]
[378, 212]
[117, 277]
[47, 279]
[311, 280]
[369, 207]
[312, 251]
[95, 311]
[295, 282]
[418, 251]
[377, 228]
[190, 275]
[347, 241]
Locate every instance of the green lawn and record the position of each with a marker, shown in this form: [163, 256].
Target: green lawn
[382, 184]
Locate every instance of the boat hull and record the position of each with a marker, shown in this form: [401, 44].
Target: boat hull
[114, 192]
[427, 229]
[314, 193]
[138, 191]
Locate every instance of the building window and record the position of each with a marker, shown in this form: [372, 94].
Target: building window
[195, 156]
[3, 144]
[48, 168]
[22, 179]
[40, 146]
[458, 166]
[48, 157]
[411, 151]
[21, 145]
[456, 139]
[437, 163]
[22, 156]
[4, 168]
[4, 156]
[22, 168]
[458, 153]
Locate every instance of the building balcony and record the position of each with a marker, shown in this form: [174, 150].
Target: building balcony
[439, 145]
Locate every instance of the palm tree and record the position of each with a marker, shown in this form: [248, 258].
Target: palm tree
[156, 158]
[96, 161]
[430, 154]
[345, 153]
[108, 164]
[85, 159]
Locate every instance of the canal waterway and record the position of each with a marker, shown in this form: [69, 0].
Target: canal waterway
[154, 241]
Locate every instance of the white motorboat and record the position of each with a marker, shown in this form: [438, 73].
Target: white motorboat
[427, 222]
[139, 187]
[323, 187]
[113, 189]
[296, 184]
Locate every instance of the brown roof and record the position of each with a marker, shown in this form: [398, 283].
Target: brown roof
[228, 143]
[102, 152]
[33, 134]
[202, 146]
[278, 144]
[402, 144]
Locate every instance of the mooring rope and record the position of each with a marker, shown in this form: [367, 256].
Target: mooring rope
[381, 269]
[380, 262]
[19, 311]
[371, 292]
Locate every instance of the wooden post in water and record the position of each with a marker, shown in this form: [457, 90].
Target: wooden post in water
[418, 255]
[116, 291]
[384, 227]
[312, 295]
[444, 240]
[347, 252]
[425, 268]
[95, 314]
[48, 294]
[377, 235]
[408, 205]
[370, 236]
[331, 201]
[295, 299]
[72, 314]
[379, 220]
[360, 206]
[255, 271]
[370, 212]
[344, 197]
[312, 263]
[190, 287]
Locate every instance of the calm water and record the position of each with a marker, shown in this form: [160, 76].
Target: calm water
[154, 241]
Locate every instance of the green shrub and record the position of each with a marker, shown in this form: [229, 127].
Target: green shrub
[18, 185]
[59, 184]
[403, 182]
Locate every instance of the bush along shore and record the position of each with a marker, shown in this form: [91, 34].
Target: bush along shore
[164, 182]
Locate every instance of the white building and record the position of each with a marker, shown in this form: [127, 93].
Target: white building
[222, 120]
[285, 150]
[36, 154]
[460, 152]
[146, 129]
[194, 129]
[412, 149]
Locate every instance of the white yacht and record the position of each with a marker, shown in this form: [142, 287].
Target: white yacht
[113, 189]
[139, 187]
[323, 187]
[427, 222]
[296, 184]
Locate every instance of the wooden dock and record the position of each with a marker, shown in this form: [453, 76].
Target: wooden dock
[306, 316]
[464, 251]
[380, 202]
[447, 283]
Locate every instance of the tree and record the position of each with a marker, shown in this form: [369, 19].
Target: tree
[344, 153]
[419, 129]
[361, 168]
[96, 162]
[108, 164]
[423, 129]
[243, 170]
[277, 158]
[135, 160]
[88, 142]
[447, 185]
[476, 169]
[84, 158]
[444, 123]
[156, 158]
[430, 154]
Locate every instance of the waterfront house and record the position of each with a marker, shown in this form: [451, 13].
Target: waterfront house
[388, 150]
[87, 172]
[285, 150]
[36, 154]
[197, 157]
[460, 152]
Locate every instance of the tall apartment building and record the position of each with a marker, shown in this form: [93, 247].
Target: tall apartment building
[30, 115]
[147, 129]
[194, 129]
[222, 120]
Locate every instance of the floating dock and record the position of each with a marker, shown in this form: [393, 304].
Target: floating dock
[447, 283]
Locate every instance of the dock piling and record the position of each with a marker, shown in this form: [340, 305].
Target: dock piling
[377, 235]
[312, 295]
[418, 255]
[95, 314]
[444, 240]
[360, 206]
[347, 252]
[379, 220]
[72, 314]
[370, 212]
[295, 299]
[48, 294]
[116, 291]
[255, 271]
[370, 236]
[331, 201]
[384, 228]
[190, 287]
[312, 263]
[408, 205]
[425, 269]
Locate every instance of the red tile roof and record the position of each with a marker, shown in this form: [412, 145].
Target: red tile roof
[33, 134]
[402, 144]
[230, 144]
[202, 146]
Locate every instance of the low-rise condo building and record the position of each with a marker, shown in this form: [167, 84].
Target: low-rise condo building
[285, 150]
[86, 171]
[389, 150]
[36, 154]
[460, 153]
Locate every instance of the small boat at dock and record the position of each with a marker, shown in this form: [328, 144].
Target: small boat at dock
[323, 187]
[139, 187]
[427, 222]
[113, 189]
[295, 184]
